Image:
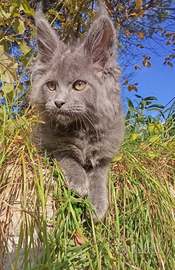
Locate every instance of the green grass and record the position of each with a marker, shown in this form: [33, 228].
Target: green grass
[139, 229]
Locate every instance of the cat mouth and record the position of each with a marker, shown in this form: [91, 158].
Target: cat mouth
[64, 117]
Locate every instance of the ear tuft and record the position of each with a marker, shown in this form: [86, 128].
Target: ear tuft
[46, 38]
[100, 41]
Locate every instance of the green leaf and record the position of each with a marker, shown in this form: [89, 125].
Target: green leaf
[19, 26]
[4, 43]
[14, 11]
[7, 88]
[21, 88]
[156, 106]
[24, 48]
[143, 104]
[117, 158]
[8, 68]
[130, 104]
[154, 109]
[59, 17]
[10, 96]
[4, 12]
[24, 59]
[138, 96]
[150, 98]
[1, 49]
[27, 9]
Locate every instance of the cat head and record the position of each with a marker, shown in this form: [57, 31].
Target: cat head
[76, 82]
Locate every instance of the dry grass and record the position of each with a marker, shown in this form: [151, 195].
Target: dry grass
[44, 226]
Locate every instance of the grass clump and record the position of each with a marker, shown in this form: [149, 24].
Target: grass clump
[45, 226]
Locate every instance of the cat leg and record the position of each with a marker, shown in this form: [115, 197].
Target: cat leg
[75, 175]
[98, 195]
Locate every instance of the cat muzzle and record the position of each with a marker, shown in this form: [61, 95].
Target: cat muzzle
[59, 104]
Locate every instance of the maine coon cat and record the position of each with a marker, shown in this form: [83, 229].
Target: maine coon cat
[77, 92]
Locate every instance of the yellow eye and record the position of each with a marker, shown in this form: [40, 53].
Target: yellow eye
[79, 85]
[51, 85]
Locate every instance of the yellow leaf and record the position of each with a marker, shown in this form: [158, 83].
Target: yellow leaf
[141, 13]
[7, 88]
[127, 33]
[79, 241]
[169, 34]
[146, 57]
[160, 28]
[154, 138]
[63, 25]
[8, 68]
[151, 154]
[137, 67]
[19, 26]
[140, 34]
[148, 64]
[120, 7]
[133, 14]
[126, 82]
[134, 137]
[160, 127]
[156, 128]
[138, 4]
[151, 127]
[24, 48]
[168, 42]
[171, 145]
[170, 64]
[132, 87]
[117, 158]
[140, 45]
[1, 49]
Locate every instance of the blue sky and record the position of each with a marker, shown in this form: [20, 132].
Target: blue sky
[159, 79]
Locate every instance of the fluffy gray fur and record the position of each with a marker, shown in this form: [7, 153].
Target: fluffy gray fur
[82, 129]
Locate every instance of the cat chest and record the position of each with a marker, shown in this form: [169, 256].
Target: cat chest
[85, 152]
[84, 149]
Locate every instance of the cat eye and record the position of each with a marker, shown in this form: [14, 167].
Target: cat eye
[51, 85]
[79, 85]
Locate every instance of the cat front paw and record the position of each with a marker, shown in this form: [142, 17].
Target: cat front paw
[100, 206]
[81, 189]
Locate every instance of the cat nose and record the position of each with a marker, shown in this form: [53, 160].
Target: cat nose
[59, 104]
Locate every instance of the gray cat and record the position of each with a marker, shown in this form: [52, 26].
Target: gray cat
[76, 90]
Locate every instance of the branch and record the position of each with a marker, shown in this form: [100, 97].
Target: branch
[132, 10]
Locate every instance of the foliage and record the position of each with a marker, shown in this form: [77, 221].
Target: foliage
[134, 20]
[140, 124]
[138, 232]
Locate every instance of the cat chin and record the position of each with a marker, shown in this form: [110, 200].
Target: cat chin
[63, 119]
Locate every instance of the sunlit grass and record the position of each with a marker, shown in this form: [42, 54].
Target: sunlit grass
[46, 221]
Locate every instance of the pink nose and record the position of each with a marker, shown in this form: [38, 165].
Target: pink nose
[59, 104]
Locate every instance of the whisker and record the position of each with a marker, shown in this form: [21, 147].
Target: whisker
[89, 119]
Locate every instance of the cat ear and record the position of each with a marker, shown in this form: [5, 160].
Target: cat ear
[47, 40]
[100, 40]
